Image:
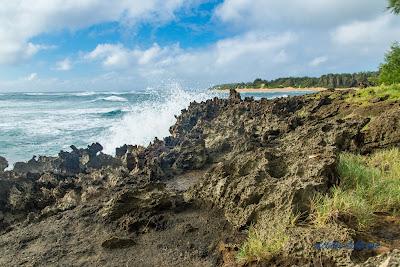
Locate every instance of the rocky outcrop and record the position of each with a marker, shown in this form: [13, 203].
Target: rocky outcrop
[228, 164]
[3, 164]
[69, 163]
[383, 130]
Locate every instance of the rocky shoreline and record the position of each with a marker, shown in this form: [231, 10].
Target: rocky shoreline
[188, 200]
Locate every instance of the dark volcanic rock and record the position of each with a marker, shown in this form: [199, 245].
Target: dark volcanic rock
[69, 163]
[3, 164]
[234, 95]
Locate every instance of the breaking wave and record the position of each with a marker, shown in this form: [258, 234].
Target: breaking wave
[150, 119]
[84, 94]
[112, 98]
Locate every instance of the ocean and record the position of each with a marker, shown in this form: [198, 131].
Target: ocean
[45, 123]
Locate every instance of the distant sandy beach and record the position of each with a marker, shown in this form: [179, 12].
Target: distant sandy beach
[276, 90]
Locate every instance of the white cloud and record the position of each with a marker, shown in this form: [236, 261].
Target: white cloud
[22, 20]
[231, 57]
[117, 56]
[381, 30]
[111, 55]
[11, 51]
[318, 61]
[250, 44]
[295, 13]
[353, 34]
[148, 55]
[64, 65]
[32, 76]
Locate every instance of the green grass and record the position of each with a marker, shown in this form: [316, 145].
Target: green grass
[364, 95]
[369, 184]
[262, 245]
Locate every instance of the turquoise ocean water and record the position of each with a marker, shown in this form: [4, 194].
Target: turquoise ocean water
[44, 123]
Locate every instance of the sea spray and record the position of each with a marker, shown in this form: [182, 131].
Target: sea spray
[150, 119]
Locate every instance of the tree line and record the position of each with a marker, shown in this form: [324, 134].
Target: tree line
[343, 80]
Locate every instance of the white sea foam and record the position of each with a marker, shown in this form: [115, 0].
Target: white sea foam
[278, 96]
[34, 94]
[114, 93]
[149, 119]
[84, 94]
[112, 98]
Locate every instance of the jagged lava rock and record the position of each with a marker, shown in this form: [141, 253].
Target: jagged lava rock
[3, 164]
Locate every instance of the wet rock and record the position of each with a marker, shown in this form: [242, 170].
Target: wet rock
[79, 160]
[69, 163]
[36, 165]
[3, 164]
[234, 95]
[4, 189]
[121, 151]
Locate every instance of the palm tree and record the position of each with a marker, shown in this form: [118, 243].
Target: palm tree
[394, 6]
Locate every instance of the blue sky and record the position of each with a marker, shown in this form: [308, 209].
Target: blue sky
[89, 45]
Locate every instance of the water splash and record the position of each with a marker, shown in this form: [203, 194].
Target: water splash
[150, 119]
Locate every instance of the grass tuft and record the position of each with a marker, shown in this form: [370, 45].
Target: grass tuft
[369, 184]
[262, 246]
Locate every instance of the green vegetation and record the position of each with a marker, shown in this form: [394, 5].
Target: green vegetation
[390, 92]
[390, 69]
[394, 6]
[264, 244]
[369, 184]
[345, 80]
[261, 245]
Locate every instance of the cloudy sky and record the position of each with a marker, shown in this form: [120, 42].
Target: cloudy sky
[87, 45]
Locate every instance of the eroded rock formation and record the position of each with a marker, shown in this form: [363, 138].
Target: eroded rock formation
[228, 164]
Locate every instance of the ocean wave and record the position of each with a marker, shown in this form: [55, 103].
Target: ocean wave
[84, 94]
[33, 94]
[112, 98]
[115, 93]
[113, 113]
[149, 119]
